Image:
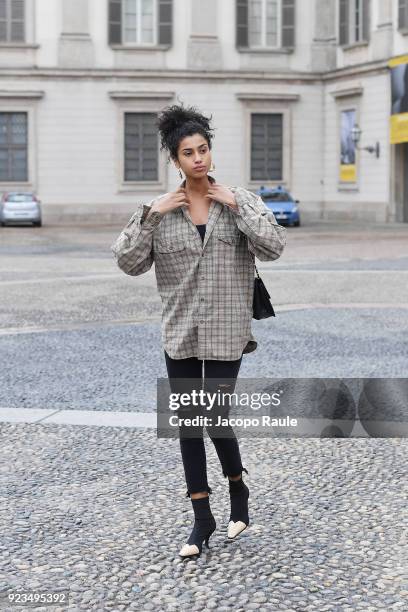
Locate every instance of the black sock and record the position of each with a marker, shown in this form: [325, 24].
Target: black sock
[204, 519]
[239, 494]
[201, 507]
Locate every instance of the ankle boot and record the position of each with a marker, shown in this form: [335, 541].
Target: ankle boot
[204, 526]
[239, 519]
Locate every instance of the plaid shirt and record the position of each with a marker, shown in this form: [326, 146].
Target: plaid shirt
[206, 287]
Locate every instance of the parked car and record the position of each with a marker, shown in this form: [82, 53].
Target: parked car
[282, 204]
[20, 206]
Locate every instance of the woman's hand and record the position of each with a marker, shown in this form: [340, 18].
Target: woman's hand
[222, 194]
[171, 201]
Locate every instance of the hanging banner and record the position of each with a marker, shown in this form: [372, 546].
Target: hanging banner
[399, 99]
[348, 171]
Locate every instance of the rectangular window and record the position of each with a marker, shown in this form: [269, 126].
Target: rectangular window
[141, 147]
[403, 14]
[354, 21]
[263, 23]
[12, 18]
[139, 22]
[356, 24]
[13, 147]
[357, 20]
[266, 146]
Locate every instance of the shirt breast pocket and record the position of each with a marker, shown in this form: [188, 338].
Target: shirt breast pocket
[227, 238]
[169, 247]
[171, 260]
[228, 247]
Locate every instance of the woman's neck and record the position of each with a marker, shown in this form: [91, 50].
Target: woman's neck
[197, 186]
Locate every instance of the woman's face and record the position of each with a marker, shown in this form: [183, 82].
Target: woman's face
[194, 156]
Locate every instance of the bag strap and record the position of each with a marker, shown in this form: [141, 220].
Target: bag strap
[253, 257]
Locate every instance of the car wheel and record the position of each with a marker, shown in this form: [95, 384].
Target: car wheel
[38, 223]
[296, 224]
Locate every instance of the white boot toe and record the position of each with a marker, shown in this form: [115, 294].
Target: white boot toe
[235, 529]
[189, 549]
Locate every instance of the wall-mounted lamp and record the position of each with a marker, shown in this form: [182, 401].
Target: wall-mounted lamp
[356, 135]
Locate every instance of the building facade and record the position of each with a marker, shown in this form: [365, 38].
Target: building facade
[82, 81]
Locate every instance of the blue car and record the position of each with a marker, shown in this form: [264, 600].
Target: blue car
[282, 204]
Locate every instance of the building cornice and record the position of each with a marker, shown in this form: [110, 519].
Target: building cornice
[294, 76]
[272, 97]
[20, 93]
[141, 95]
[347, 92]
[364, 69]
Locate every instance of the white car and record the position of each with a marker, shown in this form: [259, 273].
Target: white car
[20, 206]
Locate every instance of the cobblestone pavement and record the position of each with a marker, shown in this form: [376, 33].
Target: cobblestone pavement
[352, 342]
[101, 511]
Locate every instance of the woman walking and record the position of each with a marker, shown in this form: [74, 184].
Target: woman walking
[203, 238]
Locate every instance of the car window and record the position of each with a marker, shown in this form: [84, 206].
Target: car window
[19, 197]
[277, 197]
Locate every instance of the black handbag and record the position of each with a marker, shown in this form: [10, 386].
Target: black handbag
[261, 305]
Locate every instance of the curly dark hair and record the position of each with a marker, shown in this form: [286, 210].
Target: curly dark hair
[177, 121]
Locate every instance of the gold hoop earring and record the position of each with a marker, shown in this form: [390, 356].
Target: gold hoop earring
[212, 168]
[181, 176]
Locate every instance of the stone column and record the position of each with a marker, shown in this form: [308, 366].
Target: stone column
[385, 13]
[382, 37]
[75, 43]
[203, 47]
[324, 36]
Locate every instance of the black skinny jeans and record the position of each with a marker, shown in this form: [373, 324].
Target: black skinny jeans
[193, 449]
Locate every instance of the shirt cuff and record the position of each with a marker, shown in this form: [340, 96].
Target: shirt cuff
[236, 211]
[242, 205]
[154, 218]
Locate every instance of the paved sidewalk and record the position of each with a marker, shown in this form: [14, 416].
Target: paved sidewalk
[91, 501]
[102, 511]
[149, 420]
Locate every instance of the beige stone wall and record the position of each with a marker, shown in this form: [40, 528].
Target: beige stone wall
[76, 89]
